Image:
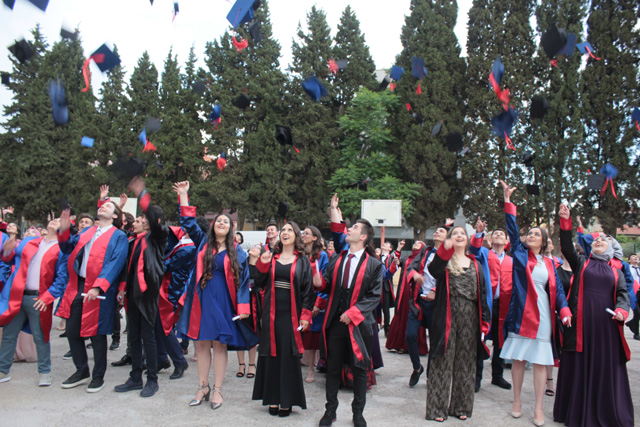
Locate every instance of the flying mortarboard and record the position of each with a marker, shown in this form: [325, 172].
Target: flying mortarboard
[283, 208]
[610, 173]
[417, 68]
[105, 58]
[570, 46]
[417, 118]
[22, 51]
[437, 128]
[6, 79]
[254, 31]
[342, 64]
[222, 161]
[396, 73]
[539, 107]
[59, 108]
[176, 7]
[333, 66]
[497, 70]
[585, 47]
[384, 83]
[527, 159]
[40, 4]
[503, 124]
[242, 101]
[9, 3]
[241, 12]
[87, 142]
[125, 168]
[314, 88]
[215, 114]
[153, 124]
[454, 142]
[596, 181]
[64, 204]
[553, 40]
[199, 87]
[533, 189]
[635, 116]
[284, 136]
[143, 136]
[66, 34]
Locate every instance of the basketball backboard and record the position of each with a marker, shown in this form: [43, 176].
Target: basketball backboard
[382, 213]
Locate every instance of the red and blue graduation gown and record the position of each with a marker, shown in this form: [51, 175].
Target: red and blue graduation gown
[5, 270]
[302, 299]
[319, 266]
[364, 297]
[53, 281]
[178, 262]
[523, 317]
[108, 258]
[189, 322]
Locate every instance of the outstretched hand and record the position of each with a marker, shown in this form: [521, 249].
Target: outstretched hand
[265, 258]
[507, 191]
[579, 220]
[181, 188]
[448, 244]
[104, 192]
[401, 244]
[480, 226]
[65, 221]
[136, 185]
[334, 201]
[123, 200]
[449, 222]
[564, 212]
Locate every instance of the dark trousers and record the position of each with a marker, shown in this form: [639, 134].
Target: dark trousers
[634, 324]
[168, 345]
[116, 324]
[386, 306]
[184, 343]
[497, 363]
[77, 345]
[413, 326]
[141, 332]
[339, 352]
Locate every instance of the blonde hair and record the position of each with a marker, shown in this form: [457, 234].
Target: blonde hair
[453, 266]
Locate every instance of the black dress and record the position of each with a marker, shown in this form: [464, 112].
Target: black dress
[279, 379]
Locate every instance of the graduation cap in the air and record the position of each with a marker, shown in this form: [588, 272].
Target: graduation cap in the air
[22, 51]
[417, 118]
[454, 142]
[242, 11]
[497, 70]
[222, 161]
[9, 3]
[610, 173]
[284, 136]
[503, 124]
[570, 46]
[553, 40]
[254, 31]
[437, 128]
[105, 58]
[216, 115]
[539, 107]
[384, 83]
[533, 189]
[6, 79]
[342, 64]
[595, 181]
[66, 34]
[144, 139]
[242, 101]
[40, 4]
[283, 208]
[152, 124]
[585, 47]
[417, 68]
[314, 88]
[527, 159]
[396, 72]
[199, 87]
[64, 204]
[59, 106]
[635, 116]
[125, 168]
[86, 141]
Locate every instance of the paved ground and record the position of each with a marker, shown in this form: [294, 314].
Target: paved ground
[391, 402]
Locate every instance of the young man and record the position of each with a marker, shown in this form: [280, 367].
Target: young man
[96, 258]
[499, 266]
[40, 275]
[353, 282]
[144, 272]
[388, 299]
[272, 236]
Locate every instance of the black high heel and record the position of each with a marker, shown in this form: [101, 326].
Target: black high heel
[240, 372]
[251, 374]
[273, 410]
[284, 412]
[205, 396]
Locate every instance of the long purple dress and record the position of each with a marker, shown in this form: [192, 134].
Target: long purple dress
[593, 385]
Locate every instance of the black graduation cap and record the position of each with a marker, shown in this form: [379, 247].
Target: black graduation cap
[22, 51]
[417, 118]
[40, 4]
[152, 124]
[436, 129]
[199, 87]
[64, 204]
[6, 79]
[242, 102]
[503, 122]
[596, 181]
[384, 83]
[553, 40]
[283, 135]
[59, 106]
[9, 3]
[66, 34]
[159, 164]
[105, 58]
[342, 64]
[539, 107]
[527, 159]
[241, 12]
[454, 142]
[283, 208]
[533, 189]
[127, 167]
[254, 31]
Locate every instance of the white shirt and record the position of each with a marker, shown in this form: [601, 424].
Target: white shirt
[87, 250]
[354, 264]
[635, 272]
[429, 281]
[33, 271]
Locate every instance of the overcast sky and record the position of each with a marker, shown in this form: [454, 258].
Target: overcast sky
[135, 26]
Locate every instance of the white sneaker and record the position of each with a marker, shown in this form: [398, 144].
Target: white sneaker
[4, 377]
[45, 380]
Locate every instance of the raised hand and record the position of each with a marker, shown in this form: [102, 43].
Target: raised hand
[181, 188]
[579, 220]
[8, 210]
[507, 191]
[448, 244]
[136, 185]
[265, 258]
[480, 226]
[334, 201]
[564, 212]
[104, 192]
[449, 222]
[123, 200]
[65, 221]
[401, 245]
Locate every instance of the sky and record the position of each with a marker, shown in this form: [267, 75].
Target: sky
[135, 26]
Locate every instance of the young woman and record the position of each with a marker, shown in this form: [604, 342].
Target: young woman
[593, 384]
[312, 240]
[537, 294]
[218, 292]
[287, 278]
[460, 320]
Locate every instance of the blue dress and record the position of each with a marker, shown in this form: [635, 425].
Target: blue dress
[216, 322]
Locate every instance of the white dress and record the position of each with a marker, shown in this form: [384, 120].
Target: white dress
[536, 350]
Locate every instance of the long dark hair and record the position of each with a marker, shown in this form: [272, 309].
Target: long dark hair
[545, 239]
[298, 246]
[207, 268]
[316, 247]
[368, 229]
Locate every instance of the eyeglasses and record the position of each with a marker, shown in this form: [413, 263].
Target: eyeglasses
[303, 233]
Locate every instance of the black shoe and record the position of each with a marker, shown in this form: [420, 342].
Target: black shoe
[327, 419]
[507, 366]
[149, 389]
[478, 381]
[273, 410]
[95, 385]
[415, 376]
[89, 345]
[67, 356]
[130, 385]
[501, 382]
[636, 337]
[76, 379]
[126, 360]
[358, 420]
[164, 365]
[63, 335]
[284, 412]
[179, 371]
[114, 345]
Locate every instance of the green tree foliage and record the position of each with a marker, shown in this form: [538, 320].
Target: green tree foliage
[368, 157]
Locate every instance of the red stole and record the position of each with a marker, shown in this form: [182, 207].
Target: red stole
[294, 308]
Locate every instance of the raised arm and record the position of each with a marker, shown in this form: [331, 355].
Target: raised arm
[566, 238]
[510, 213]
[188, 214]
[139, 189]
[438, 266]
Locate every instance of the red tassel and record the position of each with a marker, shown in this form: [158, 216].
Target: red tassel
[593, 56]
[554, 62]
[419, 89]
[240, 46]
[509, 143]
[148, 147]
[216, 122]
[221, 163]
[333, 66]
[297, 151]
[604, 188]
[638, 125]
[392, 86]
[87, 74]
[408, 107]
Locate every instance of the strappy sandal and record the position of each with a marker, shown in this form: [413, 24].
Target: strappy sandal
[549, 392]
[251, 374]
[240, 372]
[216, 405]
